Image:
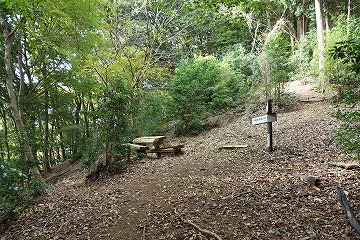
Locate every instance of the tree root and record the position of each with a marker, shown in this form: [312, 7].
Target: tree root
[350, 214]
[347, 166]
[205, 232]
[310, 179]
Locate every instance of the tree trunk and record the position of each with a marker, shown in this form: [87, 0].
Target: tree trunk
[302, 26]
[19, 124]
[321, 44]
[348, 16]
[268, 20]
[86, 118]
[6, 140]
[61, 138]
[46, 135]
[327, 18]
[349, 10]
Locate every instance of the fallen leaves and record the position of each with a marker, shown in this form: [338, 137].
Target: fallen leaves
[238, 194]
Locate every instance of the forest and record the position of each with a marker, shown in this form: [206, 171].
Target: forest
[79, 79]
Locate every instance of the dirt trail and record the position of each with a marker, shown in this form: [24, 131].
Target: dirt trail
[304, 90]
[238, 194]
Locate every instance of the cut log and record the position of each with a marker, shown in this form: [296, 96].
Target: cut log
[350, 214]
[232, 147]
[347, 166]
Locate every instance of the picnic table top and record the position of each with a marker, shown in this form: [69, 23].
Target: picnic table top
[156, 140]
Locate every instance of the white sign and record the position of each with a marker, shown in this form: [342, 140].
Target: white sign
[264, 119]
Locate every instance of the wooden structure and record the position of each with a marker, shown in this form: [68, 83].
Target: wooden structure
[154, 144]
[269, 118]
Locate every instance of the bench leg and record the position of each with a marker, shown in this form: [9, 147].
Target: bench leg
[158, 153]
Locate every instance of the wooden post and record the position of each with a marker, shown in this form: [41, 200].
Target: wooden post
[268, 119]
[269, 127]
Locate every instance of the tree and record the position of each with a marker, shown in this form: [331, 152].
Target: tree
[201, 85]
[41, 42]
[321, 43]
[348, 52]
[9, 33]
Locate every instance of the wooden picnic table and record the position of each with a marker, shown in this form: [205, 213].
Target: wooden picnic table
[153, 144]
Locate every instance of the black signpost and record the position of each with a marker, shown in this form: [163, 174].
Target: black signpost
[269, 118]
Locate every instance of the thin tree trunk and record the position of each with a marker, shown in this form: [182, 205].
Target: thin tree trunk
[19, 124]
[269, 27]
[46, 135]
[6, 139]
[321, 43]
[348, 16]
[22, 75]
[77, 133]
[61, 137]
[86, 118]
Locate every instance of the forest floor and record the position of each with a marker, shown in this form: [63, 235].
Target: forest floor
[238, 194]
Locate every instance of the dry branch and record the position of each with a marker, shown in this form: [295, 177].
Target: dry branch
[205, 232]
[347, 166]
[350, 214]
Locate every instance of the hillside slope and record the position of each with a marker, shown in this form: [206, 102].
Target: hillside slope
[238, 194]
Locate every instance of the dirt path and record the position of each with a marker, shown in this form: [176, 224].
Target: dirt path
[304, 91]
[239, 194]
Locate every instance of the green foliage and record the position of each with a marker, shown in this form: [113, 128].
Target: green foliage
[244, 63]
[346, 53]
[153, 112]
[112, 129]
[349, 131]
[91, 154]
[275, 65]
[201, 85]
[301, 60]
[17, 185]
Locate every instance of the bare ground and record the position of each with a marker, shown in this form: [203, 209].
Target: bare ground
[237, 194]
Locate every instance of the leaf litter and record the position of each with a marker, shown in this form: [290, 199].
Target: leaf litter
[237, 194]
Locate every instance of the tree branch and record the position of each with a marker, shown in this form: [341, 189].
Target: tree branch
[205, 232]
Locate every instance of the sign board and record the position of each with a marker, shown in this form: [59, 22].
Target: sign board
[264, 119]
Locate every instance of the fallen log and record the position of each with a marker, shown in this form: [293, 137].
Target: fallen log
[350, 214]
[347, 166]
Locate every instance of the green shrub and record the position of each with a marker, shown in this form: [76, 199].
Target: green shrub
[201, 85]
[242, 62]
[17, 186]
[275, 65]
[153, 112]
[246, 68]
[112, 129]
[301, 60]
[335, 70]
[346, 53]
